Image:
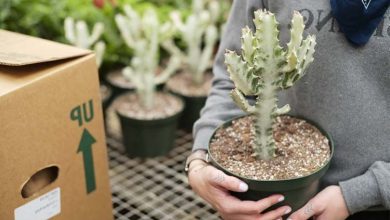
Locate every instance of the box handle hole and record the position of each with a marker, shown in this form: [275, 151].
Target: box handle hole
[39, 180]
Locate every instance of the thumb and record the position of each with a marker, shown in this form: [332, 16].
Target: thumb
[220, 179]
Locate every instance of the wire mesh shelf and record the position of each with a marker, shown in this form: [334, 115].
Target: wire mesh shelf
[153, 188]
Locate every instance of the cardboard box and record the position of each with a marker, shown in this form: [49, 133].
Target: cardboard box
[51, 117]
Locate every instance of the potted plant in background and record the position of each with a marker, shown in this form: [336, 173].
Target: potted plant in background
[199, 34]
[114, 77]
[77, 33]
[271, 152]
[148, 118]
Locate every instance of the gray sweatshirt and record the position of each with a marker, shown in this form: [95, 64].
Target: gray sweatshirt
[346, 90]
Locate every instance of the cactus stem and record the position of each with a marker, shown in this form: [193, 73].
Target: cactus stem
[263, 69]
[264, 120]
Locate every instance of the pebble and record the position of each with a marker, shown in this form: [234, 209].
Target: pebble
[301, 149]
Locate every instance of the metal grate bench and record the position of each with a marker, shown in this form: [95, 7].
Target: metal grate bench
[155, 188]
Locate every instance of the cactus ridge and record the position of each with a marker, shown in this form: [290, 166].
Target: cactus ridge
[264, 68]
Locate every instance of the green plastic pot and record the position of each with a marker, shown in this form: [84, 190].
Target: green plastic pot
[297, 191]
[191, 112]
[148, 138]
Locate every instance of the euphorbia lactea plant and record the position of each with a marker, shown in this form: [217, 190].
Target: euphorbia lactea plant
[263, 69]
[145, 35]
[76, 32]
[199, 34]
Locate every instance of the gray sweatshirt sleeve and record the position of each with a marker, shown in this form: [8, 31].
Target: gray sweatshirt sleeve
[361, 192]
[219, 106]
[368, 190]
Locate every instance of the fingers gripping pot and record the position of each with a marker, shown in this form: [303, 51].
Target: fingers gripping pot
[297, 191]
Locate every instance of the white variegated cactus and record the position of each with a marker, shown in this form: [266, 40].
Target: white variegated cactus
[200, 34]
[144, 35]
[78, 35]
[264, 68]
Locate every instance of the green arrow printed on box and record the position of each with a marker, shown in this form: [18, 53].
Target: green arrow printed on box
[85, 147]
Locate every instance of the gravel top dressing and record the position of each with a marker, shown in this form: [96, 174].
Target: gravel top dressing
[182, 84]
[104, 92]
[301, 149]
[166, 105]
[116, 77]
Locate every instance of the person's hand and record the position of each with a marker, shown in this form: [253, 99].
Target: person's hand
[328, 204]
[213, 185]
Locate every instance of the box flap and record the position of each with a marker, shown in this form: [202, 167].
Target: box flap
[18, 50]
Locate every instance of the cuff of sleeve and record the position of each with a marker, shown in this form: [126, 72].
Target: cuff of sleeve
[202, 138]
[361, 193]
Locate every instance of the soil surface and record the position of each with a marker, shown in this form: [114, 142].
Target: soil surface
[116, 78]
[165, 105]
[105, 92]
[301, 149]
[182, 84]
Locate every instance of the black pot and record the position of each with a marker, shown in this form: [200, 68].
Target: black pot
[297, 191]
[148, 138]
[191, 112]
[106, 98]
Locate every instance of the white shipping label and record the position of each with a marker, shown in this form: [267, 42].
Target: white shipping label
[41, 208]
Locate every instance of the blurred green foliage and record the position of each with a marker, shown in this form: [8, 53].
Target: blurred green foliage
[45, 18]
